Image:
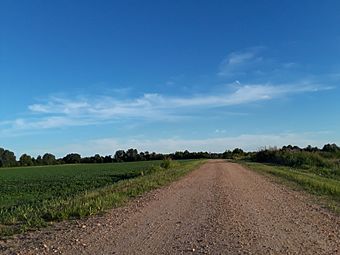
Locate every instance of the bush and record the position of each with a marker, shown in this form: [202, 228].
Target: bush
[292, 158]
[168, 163]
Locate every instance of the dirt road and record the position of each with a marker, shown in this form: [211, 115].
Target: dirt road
[221, 208]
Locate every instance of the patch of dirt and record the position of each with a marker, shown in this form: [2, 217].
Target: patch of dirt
[220, 208]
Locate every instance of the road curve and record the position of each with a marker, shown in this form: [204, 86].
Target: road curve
[220, 208]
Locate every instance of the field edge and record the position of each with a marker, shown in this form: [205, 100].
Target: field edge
[103, 199]
[320, 193]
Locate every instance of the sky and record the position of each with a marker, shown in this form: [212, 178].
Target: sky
[98, 76]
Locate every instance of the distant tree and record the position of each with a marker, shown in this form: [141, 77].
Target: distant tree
[39, 161]
[131, 155]
[238, 151]
[120, 156]
[26, 160]
[72, 158]
[156, 156]
[97, 159]
[178, 155]
[309, 148]
[146, 155]
[107, 159]
[296, 148]
[7, 158]
[142, 156]
[287, 148]
[330, 148]
[49, 159]
[227, 154]
[186, 154]
[86, 160]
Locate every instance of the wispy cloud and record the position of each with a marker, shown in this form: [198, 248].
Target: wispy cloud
[112, 107]
[239, 62]
[63, 112]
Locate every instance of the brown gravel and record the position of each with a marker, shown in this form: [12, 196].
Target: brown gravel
[220, 208]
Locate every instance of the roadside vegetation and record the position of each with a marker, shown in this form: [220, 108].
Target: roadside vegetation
[314, 170]
[32, 197]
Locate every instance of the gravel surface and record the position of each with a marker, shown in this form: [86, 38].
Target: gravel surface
[220, 208]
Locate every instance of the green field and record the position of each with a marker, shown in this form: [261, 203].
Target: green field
[32, 197]
[309, 179]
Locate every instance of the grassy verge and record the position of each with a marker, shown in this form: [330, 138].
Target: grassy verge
[327, 189]
[26, 216]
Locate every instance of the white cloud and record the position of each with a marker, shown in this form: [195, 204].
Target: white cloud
[62, 112]
[239, 58]
[111, 107]
[239, 61]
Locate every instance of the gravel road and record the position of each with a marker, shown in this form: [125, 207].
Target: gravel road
[220, 208]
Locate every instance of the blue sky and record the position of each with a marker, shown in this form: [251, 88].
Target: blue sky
[97, 76]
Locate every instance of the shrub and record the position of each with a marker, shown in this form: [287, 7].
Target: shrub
[292, 158]
[167, 163]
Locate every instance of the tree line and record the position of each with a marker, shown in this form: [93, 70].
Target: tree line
[272, 155]
[8, 158]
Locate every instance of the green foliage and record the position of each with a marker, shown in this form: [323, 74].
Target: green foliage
[291, 158]
[48, 159]
[31, 197]
[333, 148]
[7, 158]
[25, 160]
[72, 158]
[168, 163]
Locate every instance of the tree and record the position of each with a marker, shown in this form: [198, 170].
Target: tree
[26, 160]
[48, 159]
[72, 158]
[178, 155]
[7, 158]
[227, 154]
[39, 161]
[131, 155]
[186, 154]
[120, 155]
[238, 151]
[309, 148]
[97, 159]
[107, 159]
[147, 155]
[331, 148]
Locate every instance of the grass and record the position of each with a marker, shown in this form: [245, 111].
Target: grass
[308, 179]
[32, 197]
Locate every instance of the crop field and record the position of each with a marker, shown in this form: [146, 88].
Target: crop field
[32, 197]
